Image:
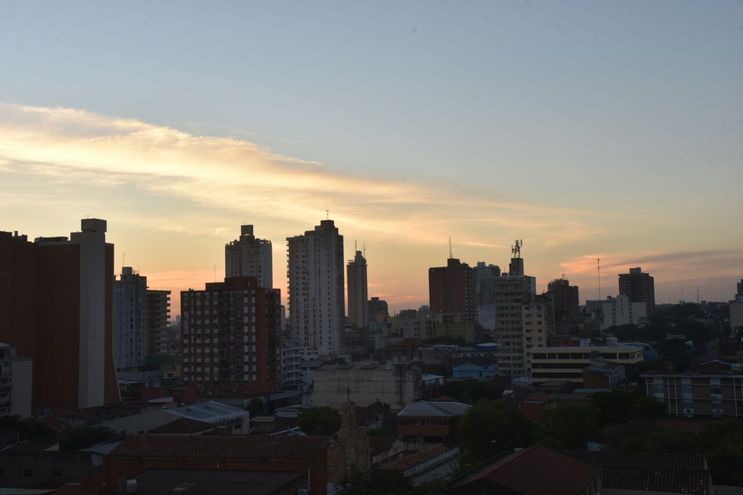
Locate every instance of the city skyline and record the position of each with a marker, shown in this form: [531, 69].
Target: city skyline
[409, 123]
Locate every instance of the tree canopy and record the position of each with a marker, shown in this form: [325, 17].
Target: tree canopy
[320, 421]
[491, 427]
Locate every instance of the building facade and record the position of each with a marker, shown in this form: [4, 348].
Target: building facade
[231, 339]
[567, 364]
[617, 311]
[358, 303]
[71, 339]
[131, 335]
[639, 287]
[451, 289]
[512, 294]
[316, 288]
[158, 321]
[713, 390]
[249, 256]
[565, 301]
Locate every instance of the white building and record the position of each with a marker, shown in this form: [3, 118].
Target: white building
[316, 288]
[249, 256]
[366, 383]
[15, 382]
[617, 311]
[130, 329]
[514, 295]
[566, 364]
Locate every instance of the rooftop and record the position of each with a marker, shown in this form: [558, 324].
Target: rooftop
[208, 412]
[227, 446]
[534, 471]
[430, 408]
[217, 482]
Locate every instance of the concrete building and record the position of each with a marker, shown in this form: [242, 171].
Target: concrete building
[366, 383]
[70, 340]
[566, 364]
[378, 309]
[231, 341]
[639, 287]
[417, 324]
[249, 256]
[16, 382]
[295, 360]
[484, 276]
[358, 304]
[451, 289]
[513, 292]
[565, 301]
[158, 321]
[616, 311]
[316, 288]
[535, 327]
[736, 311]
[131, 336]
[713, 389]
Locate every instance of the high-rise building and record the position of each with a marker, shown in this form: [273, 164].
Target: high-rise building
[378, 309]
[249, 256]
[451, 289]
[513, 292]
[358, 304]
[158, 319]
[639, 287]
[565, 301]
[56, 298]
[736, 311]
[316, 288]
[616, 311]
[130, 320]
[484, 281]
[230, 337]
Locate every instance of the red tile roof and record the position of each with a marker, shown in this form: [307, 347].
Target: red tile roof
[674, 473]
[536, 471]
[227, 446]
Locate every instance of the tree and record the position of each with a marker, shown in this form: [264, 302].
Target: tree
[723, 446]
[471, 391]
[491, 427]
[320, 421]
[376, 482]
[569, 425]
[621, 406]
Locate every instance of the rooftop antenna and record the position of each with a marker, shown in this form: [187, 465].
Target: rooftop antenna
[450, 251]
[327, 214]
[598, 272]
[364, 250]
[123, 259]
[516, 249]
[355, 245]
[214, 267]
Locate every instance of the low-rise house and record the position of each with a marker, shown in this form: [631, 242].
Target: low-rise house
[431, 421]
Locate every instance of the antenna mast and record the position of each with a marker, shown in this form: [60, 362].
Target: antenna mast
[598, 271]
[450, 252]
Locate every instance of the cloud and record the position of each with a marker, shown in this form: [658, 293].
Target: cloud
[237, 175]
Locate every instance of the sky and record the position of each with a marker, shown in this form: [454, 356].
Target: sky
[587, 129]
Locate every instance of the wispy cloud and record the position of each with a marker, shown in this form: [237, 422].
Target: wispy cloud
[241, 176]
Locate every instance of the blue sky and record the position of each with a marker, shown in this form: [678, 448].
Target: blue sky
[630, 112]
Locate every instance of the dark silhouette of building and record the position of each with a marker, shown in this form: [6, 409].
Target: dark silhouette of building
[158, 318]
[565, 302]
[56, 306]
[451, 289]
[249, 256]
[639, 287]
[358, 309]
[378, 309]
[231, 334]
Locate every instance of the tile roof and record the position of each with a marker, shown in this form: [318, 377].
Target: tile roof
[227, 446]
[535, 471]
[183, 426]
[429, 408]
[674, 473]
[216, 482]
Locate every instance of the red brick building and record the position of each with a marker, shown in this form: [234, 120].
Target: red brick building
[56, 307]
[451, 289]
[230, 337]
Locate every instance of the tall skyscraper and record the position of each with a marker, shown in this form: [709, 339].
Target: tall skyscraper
[158, 319]
[316, 288]
[56, 298]
[249, 256]
[639, 287]
[358, 304]
[565, 301]
[485, 276]
[231, 337]
[451, 289]
[130, 320]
